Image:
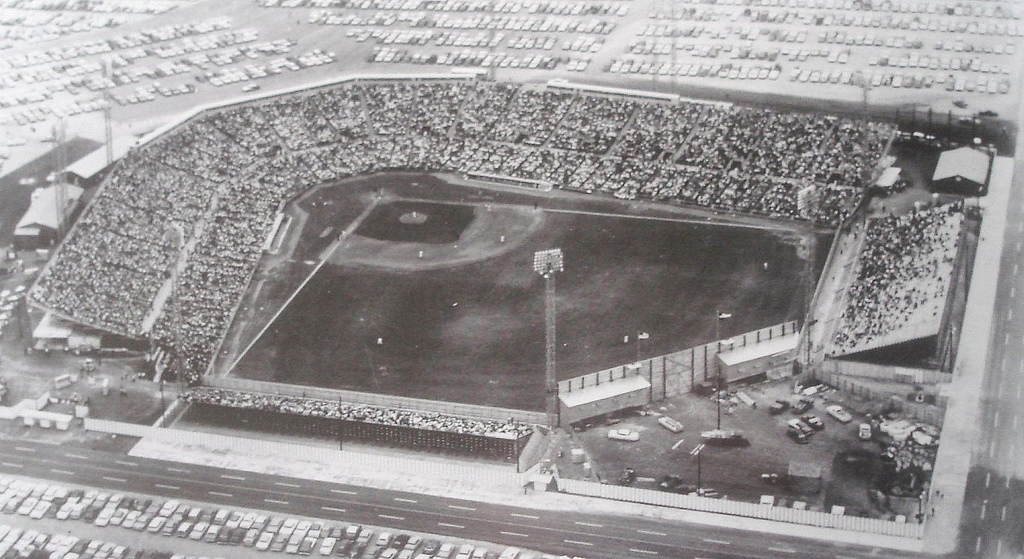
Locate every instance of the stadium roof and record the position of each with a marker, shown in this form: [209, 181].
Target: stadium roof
[766, 348]
[889, 177]
[43, 212]
[96, 161]
[965, 162]
[603, 391]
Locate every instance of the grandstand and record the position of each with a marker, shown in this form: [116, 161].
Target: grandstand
[223, 174]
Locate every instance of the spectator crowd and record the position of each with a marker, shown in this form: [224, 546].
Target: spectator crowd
[903, 277]
[362, 413]
[224, 174]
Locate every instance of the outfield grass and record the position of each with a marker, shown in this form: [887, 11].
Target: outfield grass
[465, 321]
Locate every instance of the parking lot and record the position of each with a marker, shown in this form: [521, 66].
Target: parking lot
[193, 530]
[847, 463]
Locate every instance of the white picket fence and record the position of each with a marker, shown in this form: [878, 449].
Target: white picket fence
[355, 461]
[740, 508]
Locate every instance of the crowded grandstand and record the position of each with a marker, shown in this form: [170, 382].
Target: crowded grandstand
[221, 177]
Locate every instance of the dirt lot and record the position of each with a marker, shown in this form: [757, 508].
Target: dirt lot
[847, 464]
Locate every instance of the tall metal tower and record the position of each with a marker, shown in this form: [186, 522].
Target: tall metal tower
[60, 163]
[108, 132]
[176, 234]
[547, 263]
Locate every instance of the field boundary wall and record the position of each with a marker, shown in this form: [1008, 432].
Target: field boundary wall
[908, 375]
[740, 508]
[380, 400]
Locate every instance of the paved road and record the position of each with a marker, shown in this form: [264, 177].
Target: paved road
[592, 535]
[992, 525]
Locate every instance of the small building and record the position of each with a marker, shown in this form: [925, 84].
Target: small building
[771, 357]
[88, 170]
[55, 333]
[963, 171]
[607, 396]
[49, 211]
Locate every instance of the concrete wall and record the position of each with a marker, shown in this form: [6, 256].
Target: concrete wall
[910, 530]
[908, 375]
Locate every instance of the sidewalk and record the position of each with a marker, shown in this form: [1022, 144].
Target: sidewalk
[961, 425]
[278, 461]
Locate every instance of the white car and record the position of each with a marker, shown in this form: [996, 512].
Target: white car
[839, 414]
[623, 435]
[264, 542]
[864, 432]
[670, 424]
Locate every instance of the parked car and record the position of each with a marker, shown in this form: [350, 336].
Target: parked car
[864, 432]
[814, 421]
[802, 405]
[623, 435]
[839, 414]
[670, 424]
[798, 436]
[797, 425]
[627, 477]
[778, 406]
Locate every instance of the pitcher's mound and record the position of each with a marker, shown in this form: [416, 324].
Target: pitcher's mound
[412, 218]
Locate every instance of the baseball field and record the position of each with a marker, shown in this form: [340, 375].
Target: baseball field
[431, 292]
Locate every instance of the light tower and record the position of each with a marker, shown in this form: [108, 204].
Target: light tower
[547, 263]
[176, 234]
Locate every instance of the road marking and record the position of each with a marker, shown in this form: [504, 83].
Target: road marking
[335, 509]
[118, 479]
[404, 500]
[179, 470]
[460, 507]
[459, 526]
[1002, 516]
[219, 494]
[125, 463]
[988, 479]
[516, 534]
[1009, 313]
[171, 487]
[716, 541]
[343, 492]
[80, 457]
[24, 449]
[1015, 268]
[977, 545]
[577, 542]
[1006, 339]
[646, 479]
[652, 533]
[389, 517]
[65, 472]
[995, 421]
[275, 501]
[782, 549]
[11, 465]
[236, 478]
[647, 551]
[984, 504]
[992, 449]
[679, 442]
[525, 515]
[592, 525]
[284, 484]
[999, 547]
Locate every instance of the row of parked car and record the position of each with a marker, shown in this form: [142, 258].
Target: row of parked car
[251, 529]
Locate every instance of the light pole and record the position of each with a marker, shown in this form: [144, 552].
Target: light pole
[809, 341]
[547, 263]
[696, 452]
[719, 317]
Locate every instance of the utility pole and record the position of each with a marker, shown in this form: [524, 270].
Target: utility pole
[108, 131]
[719, 317]
[175, 231]
[60, 163]
[547, 263]
[696, 452]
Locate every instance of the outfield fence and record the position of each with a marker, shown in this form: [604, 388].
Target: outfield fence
[740, 508]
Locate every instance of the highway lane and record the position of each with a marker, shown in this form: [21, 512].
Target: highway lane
[992, 525]
[592, 535]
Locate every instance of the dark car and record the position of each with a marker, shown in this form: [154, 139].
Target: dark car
[798, 436]
[670, 482]
[802, 405]
[778, 406]
[400, 541]
[627, 477]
